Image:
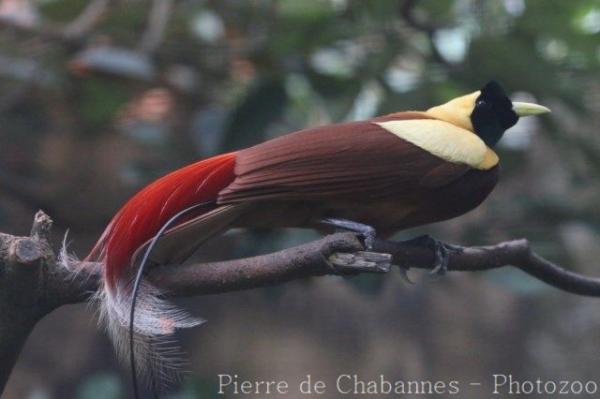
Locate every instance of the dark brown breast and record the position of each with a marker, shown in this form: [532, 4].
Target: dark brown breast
[452, 200]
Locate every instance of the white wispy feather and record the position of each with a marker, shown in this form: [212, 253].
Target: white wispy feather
[157, 357]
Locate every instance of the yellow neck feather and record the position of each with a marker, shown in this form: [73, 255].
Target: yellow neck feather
[457, 111]
[445, 140]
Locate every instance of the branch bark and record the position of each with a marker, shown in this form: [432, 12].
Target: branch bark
[89, 17]
[160, 13]
[32, 283]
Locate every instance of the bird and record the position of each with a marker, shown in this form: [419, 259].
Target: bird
[376, 176]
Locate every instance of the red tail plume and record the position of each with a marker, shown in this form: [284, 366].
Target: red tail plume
[143, 215]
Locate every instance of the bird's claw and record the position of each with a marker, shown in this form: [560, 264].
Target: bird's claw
[440, 265]
[442, 252]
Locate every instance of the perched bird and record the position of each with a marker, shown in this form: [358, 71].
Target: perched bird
[390, 173]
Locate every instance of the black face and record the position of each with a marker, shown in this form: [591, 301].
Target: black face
[493, 114]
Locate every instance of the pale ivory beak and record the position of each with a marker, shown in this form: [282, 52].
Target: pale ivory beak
[528, 109]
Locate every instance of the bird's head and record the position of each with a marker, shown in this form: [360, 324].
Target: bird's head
[487, 112]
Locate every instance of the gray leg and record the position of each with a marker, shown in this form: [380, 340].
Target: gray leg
[368, 232]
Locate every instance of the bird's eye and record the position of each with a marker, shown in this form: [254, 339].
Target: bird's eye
[480, 103]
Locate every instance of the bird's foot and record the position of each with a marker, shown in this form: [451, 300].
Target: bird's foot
[442, 252]
[368, 232]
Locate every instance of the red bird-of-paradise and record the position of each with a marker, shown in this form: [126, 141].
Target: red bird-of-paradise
[391, 172]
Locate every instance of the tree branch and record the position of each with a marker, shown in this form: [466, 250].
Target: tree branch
[89, 17]
[32, 283]
[157, 25]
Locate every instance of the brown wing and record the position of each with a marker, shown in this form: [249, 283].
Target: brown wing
[180, 242]
[357, 158]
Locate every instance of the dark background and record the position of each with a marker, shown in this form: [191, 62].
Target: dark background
[95, 103]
